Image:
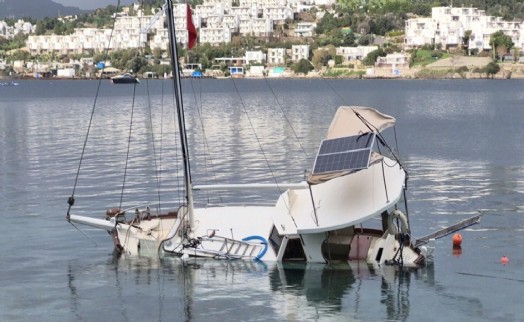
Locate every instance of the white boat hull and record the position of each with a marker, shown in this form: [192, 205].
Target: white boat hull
[315, 221]
[290, 230]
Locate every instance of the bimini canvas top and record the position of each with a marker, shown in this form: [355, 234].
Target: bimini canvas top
[350, 121]
[347, 123]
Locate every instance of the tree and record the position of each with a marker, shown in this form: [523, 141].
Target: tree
[157, 53]
[382, 24]
[371, 58]
[465, 40]
[366, 40]
[516, 54]
[491, 69]
[327, 23]
[348, 39]
[321, 57]
[20, 55]
[501, 43]
[136, 64]
[303, 66]
[422, 9]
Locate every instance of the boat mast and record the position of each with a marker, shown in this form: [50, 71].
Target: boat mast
[180, 108]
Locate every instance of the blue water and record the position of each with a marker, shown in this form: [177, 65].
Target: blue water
[460, 140]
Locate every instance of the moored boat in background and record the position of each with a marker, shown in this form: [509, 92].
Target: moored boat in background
[11, 83]
[124, 79]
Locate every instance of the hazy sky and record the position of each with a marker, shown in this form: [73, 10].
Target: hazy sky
[92, 4]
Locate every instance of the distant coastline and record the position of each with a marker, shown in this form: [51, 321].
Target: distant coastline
[442, 70]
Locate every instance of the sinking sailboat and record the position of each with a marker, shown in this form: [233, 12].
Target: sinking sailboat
[357, 180]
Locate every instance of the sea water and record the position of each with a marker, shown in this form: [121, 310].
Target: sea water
[459, 140]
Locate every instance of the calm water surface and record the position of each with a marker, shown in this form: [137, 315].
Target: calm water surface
[461, 142]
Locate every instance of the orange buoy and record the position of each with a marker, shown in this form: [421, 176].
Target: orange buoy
[457, 239]
[504, 260]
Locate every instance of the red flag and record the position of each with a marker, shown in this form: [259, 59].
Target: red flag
[191, 30]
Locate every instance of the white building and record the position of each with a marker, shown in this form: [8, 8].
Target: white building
[215, 36]
[245, 12]
[232, 22]
[23, 26]
[447, 27]
[276, 56]
[258, 27]
[20, 26]
[324, 2]
[216, 21]
[419, 32]
[129, 32]
[305, 29]
[394, 60]
[208, 10]
[280, 13]
[354, 53]
[299, 52]
[254, 57]
[66, 73]
[262, 3]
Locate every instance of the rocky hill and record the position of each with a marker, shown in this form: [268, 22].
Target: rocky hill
[35, 9]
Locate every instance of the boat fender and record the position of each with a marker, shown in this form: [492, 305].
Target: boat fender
[392, 227]
[114, 212]
[263, 241]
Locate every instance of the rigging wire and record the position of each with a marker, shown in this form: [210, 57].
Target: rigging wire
[156, 160]
[287, 120]
[286, 202]
[71, 199]
[177, 151]
[207, 150]
[157, 166]
[256, 136]
[128, 146]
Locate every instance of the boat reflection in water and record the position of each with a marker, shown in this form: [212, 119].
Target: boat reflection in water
[199, 289]
[344, 288]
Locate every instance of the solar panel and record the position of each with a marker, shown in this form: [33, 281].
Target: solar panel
[347, 143]
[349, 153]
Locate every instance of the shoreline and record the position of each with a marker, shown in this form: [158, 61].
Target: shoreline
[496, 77]
[407, 74]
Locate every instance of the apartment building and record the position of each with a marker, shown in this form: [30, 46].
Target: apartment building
[447, 27]
[258, 27]
[254, 57]
[214, 36]
[354, 53]
[20, 26]
[245, 12]
[216, 21]
[276, 56]
[305, 29]
[280, 13]
[299, 52]
[263, 3]
[395, 60]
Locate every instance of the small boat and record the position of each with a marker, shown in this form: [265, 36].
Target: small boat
[9, 84]
[351, 207]
[125, 79]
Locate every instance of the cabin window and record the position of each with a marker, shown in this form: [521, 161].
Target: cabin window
[294, 250]
[379, 254]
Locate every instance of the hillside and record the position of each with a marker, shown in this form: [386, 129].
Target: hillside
[35, 9]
